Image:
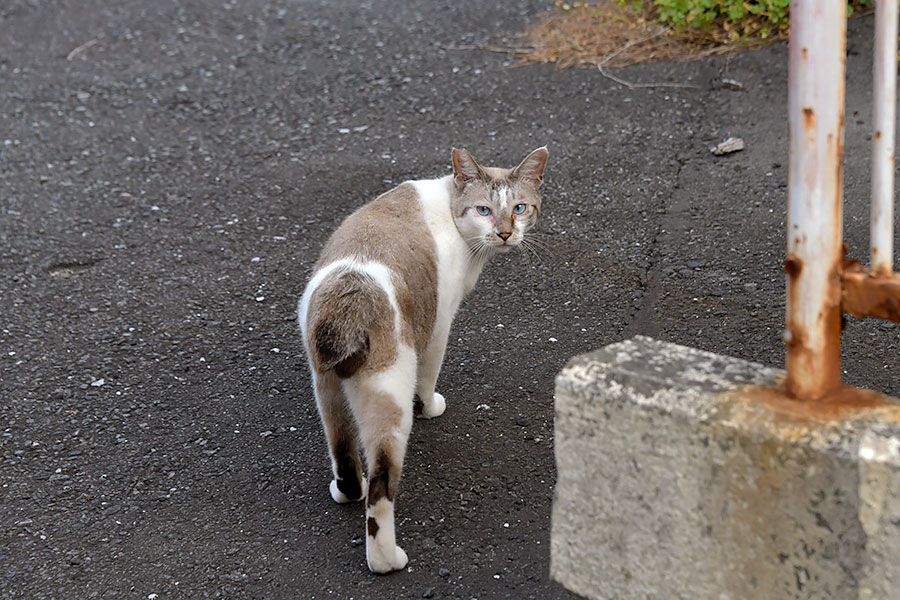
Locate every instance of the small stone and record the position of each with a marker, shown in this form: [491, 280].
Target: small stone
[429, 593]
[444, 572]
[730, 145]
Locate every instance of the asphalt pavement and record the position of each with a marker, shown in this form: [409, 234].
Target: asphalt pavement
[169, 171]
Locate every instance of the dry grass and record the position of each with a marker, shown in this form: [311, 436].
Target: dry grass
[605, 33]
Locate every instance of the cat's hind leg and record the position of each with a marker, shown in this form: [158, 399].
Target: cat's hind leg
[348, 484]
[382, 403]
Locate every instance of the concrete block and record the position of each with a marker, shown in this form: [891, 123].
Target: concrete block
[685, 474]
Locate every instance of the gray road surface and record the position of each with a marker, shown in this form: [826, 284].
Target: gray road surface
[170, 169]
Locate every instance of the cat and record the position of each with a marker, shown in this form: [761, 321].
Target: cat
[376, 314]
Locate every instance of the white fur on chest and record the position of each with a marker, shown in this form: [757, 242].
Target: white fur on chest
[457, 271]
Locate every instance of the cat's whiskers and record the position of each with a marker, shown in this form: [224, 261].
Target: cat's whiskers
[540, 240]
[531, 249]
[473, 245]
[478, 249]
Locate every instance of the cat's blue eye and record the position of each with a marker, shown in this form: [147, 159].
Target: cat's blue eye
[483, 210]
[519, 209]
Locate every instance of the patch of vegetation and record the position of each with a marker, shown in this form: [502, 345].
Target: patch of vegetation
[607, 32]
[731, 21]
[621, 32]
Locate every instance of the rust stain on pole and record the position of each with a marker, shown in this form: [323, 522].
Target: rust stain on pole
[841, 403]
[792, 266]
[809, 119]
[815, 110]
[869, 294]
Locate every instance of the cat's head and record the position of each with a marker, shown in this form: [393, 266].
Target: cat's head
[494, 208]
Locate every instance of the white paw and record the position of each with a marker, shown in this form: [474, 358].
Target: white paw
[339, 496]
[381, 561]
[435, 408]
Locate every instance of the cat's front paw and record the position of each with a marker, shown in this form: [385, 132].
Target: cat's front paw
[383, 560]
[342, 498]
[435, 407]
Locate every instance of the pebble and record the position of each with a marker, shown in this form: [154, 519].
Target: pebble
[732, 144]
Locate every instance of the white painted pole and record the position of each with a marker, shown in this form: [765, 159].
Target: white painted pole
[815, 112]
[884, 110]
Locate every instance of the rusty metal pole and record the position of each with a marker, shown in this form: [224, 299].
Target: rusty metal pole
[885, 100]
[816, 115]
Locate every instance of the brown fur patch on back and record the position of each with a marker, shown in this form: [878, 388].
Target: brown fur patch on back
[392, 230]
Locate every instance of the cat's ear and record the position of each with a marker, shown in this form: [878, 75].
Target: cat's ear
[532, 168]
[465, 169]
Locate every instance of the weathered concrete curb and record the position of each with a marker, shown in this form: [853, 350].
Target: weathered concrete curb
[684, 474]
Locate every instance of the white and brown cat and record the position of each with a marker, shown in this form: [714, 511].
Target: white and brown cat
[377, 312]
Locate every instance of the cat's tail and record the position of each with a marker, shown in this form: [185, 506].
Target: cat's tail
[343, 310]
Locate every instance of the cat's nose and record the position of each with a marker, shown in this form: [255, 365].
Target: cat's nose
[504, 235]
